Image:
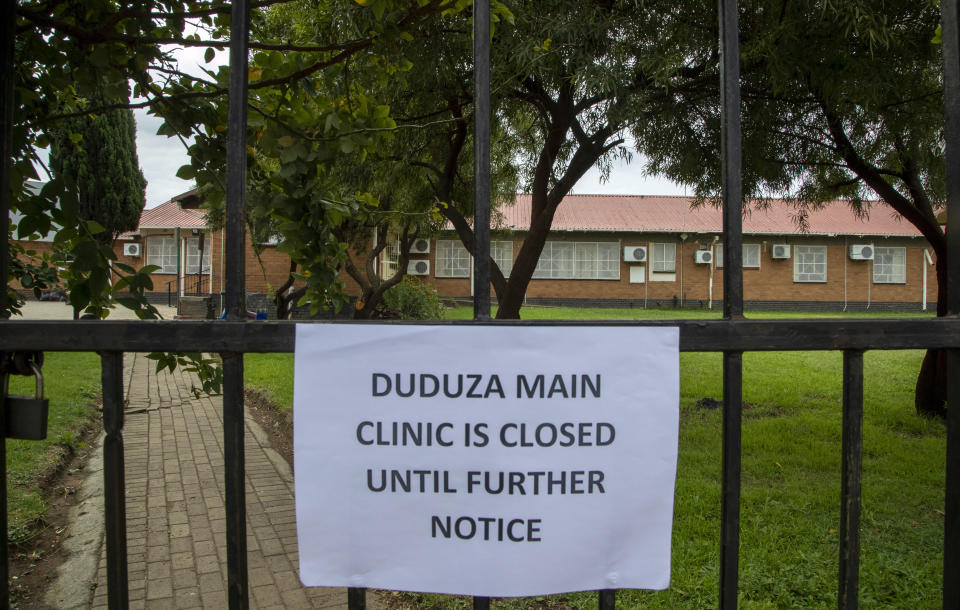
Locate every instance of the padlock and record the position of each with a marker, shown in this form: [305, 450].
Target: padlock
[26, 417]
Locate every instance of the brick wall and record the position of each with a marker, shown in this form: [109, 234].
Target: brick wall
[847, 280]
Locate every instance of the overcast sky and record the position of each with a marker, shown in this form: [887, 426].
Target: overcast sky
[160, 156]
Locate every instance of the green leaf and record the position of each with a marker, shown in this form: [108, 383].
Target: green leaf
[208, 55]
[26, 227]
[186, 172]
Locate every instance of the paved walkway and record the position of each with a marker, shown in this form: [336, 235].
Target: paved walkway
[176, 541]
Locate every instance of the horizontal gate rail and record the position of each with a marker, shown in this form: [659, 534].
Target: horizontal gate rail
[269, 337]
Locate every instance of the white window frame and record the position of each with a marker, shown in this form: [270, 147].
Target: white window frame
[579, 260]
[889, 265]
[502, 254]
[162, 252]
[718, 255]
[664, 257]
[192, 255]
[806, 263]
[390, 258]
[452, 259]
[751, 251]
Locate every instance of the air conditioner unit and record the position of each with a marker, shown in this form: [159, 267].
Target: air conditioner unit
[131, 249]
[780, 251]
[635, 254]
[861, 252]
[420, 246]
[418, 268]
[703, 257]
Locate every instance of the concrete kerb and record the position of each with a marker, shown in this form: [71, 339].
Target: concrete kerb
[77, 575]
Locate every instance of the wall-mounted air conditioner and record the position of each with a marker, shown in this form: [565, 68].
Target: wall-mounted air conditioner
[703, 257]
[780, 251]
[131, 249]
[635, 254]
[420, 246]
[861, 252]
[418, 268]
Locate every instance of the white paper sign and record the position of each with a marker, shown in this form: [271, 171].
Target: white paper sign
[485, 460]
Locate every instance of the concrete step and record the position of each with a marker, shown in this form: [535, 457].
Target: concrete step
[195, 308]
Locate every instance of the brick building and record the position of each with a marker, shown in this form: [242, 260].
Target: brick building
[636, 251]
[604, 250]
[176, 237]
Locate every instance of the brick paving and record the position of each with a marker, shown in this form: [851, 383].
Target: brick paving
[176, 527]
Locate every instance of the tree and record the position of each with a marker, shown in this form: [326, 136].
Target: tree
[341, 156]
[841, 100]
[68, 55]
[97, 155]
[572, 78]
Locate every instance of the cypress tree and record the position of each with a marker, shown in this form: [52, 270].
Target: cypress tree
[97, 156]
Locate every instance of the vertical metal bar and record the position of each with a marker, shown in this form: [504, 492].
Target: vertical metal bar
[730, 500]
[7, 54]
[951, 526]
[851, 470]
[233, 450]
[8, 19]
[481, 176]
[234, 492]
[481, 156]
[730, 159]
[607, 599]
[356, 598]
[951, 79]
[732, 190]
[237, 161]
[115, 510]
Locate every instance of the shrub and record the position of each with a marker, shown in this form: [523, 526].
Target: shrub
[414, 300]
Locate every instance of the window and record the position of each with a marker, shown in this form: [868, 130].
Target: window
[579, 261]
[389, 258]
[453, 260]
[502, 253]
[664, 258]
[890, 266]
[193, 255]
[751, 256]
[810, 264]
[162, 252]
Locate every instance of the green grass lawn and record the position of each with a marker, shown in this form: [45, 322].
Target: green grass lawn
[790, 509]
[72, 383]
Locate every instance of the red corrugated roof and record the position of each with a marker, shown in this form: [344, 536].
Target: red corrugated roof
[637, 213]
[170, 215]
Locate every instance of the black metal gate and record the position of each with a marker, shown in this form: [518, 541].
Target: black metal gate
[732, 335]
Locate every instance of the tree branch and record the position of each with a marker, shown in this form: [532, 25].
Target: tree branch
[923, 219]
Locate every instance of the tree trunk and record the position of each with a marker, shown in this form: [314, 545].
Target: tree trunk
[372, 287]
[526, 263]
[285, 300]
[930, 397]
